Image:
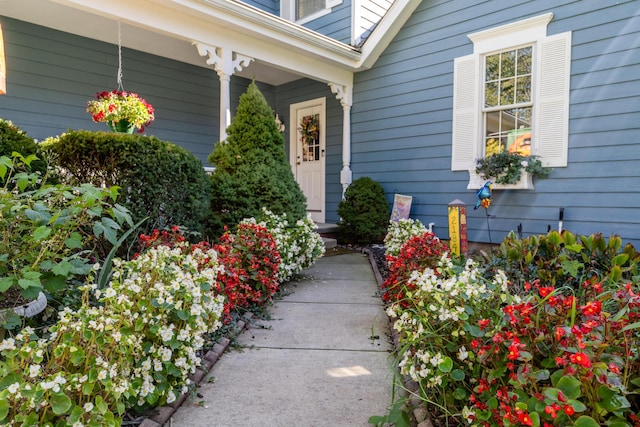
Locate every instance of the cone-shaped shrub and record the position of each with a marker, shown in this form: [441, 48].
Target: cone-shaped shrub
[252, 170]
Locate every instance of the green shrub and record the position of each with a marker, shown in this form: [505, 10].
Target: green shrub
[364, 212]
[157, 179]
[252, 170]
[13, 139]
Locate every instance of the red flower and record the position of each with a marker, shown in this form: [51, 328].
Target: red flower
[592, 308]
[484, 323]
[524, 418]
[544, 291]
[568, 409]
[580, 359]
[514, 352]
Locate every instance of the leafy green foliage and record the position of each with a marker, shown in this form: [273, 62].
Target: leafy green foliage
[364, 212]
[157, 179]
[252, 170]
[558, 349]
[13, 139]
[506, 168]
[565, 259]
[48, 232]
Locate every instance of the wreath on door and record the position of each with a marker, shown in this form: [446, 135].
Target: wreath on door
[309, 135]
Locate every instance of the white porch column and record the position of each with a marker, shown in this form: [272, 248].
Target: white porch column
[345, 94]
[225, 104]
[225, 62]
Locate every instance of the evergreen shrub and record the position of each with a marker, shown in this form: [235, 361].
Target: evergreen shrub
[252, 170]
[364, 212]
[157, 179]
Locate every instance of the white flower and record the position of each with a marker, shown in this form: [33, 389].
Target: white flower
[88, 407]
[171, 397]
[165, 354]
[166, 333]
[102, 375]
[13, 388]
[463, 353]
[77, 424]
[34, 370]
[8, 344]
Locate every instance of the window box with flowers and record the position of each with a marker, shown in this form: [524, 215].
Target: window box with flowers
[507, 171]
[122, 111]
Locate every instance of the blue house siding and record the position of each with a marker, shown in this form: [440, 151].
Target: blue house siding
[51, 75]
[269, 6]
[401, 120]
[304, 90]
[336, 24]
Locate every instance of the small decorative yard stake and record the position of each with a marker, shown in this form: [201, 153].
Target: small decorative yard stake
[458, 227]
[484, 200]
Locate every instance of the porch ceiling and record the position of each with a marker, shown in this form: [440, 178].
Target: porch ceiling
[61, 17]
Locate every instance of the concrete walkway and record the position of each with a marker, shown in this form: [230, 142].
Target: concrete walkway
[322, 360]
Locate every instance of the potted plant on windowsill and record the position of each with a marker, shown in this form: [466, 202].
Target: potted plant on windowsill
[507, 171]
[122, 111]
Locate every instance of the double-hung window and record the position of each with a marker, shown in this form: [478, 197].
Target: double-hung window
[512, 94]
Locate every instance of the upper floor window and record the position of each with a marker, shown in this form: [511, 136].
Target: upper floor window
[304, 8]
[512, 94]
[302, 11]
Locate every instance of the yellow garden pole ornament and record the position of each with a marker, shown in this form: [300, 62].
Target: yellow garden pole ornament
[458, 227]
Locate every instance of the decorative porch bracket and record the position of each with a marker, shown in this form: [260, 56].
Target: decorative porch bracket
[344, 94]
[225, 62]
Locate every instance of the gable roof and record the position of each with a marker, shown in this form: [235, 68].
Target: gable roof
[282, 50]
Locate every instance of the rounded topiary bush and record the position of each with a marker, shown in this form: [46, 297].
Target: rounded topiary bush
[157, 179]
[364, 212]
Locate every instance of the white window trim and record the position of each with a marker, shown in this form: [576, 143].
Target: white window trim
[288, 11]
[551, 99]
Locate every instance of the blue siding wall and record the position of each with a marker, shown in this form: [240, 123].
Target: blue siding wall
[304, 90]
[51, 75]
[270, 6]
[336, 24]
[401, 120]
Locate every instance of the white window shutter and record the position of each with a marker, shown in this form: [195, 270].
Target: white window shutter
[465, 113]
[551, 132]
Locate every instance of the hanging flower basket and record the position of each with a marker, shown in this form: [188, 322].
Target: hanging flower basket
[122, 111]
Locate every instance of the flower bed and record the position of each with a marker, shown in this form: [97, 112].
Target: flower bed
[485, 352]
[133, 344]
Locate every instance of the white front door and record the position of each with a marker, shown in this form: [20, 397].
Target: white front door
[307, 136]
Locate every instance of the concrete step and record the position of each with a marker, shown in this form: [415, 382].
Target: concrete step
[329, 242]
[326, 228]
